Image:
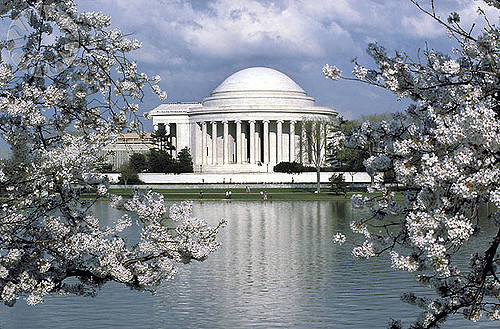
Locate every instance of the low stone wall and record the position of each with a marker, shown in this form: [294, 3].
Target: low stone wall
[245, 178]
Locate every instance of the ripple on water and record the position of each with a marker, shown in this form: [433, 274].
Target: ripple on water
[277, 268]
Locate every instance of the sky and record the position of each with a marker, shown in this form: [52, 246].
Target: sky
[195, 44]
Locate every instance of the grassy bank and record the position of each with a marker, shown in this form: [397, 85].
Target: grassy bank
[240, 194]
[305, 194]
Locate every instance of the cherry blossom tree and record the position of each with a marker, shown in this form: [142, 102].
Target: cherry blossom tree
[67, 91]
[445, 152]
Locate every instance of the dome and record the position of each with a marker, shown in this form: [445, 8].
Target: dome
[258, 79]
[258, 86]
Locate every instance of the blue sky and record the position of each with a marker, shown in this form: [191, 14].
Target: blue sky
[195, 44]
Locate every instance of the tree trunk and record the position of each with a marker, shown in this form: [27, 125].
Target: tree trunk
[318, 179]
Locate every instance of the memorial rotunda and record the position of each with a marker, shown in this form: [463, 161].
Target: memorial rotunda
[249, 123]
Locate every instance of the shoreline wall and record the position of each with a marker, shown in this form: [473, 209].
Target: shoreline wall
[245, 178]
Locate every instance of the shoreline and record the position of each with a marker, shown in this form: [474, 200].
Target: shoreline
[239, 194]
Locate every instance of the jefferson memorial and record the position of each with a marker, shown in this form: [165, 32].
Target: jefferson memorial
[253, 120]
[249, 123]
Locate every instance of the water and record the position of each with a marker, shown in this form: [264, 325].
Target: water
[278, 268]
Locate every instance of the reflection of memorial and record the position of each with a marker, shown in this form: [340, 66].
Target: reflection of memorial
[250, 121]
[274, 268]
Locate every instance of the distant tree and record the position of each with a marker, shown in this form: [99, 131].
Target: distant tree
[185, 161]
[159, 161]
[128, 175]
[338, 184]
[317, 132]
[347, 158]
[161, 139]
[138, 162]
[350, 156]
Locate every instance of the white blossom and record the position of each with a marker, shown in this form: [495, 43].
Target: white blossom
[58, 131]
[451, 67]
[360, 72]
[360, 228]
[403, 263]
[156, 79]
[365, 251]
[102, 189]
[339, 238]
[332, 72]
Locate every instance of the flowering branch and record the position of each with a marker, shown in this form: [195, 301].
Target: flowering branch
[445, 154]
[60, 106]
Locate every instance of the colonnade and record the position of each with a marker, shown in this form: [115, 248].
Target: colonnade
[251, 141]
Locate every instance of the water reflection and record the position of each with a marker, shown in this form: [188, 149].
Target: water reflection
[277, 267]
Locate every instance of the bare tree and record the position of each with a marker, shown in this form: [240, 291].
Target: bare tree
[317, 131]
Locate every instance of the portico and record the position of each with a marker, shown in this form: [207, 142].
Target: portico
[248, 141]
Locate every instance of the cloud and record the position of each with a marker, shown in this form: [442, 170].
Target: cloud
[341, 10]
[237, 30]
[423, 26]
[233, 29]
[198, 43]
[255, 28]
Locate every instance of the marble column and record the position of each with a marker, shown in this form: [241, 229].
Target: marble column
[292, 142]
[238, 141]
[203, 141]
[252, 141]
[279, 136]
[265, 136]
[214, 142]
[226, 142]
[303, 143]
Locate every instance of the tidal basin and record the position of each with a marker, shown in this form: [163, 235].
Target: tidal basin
[277, 267]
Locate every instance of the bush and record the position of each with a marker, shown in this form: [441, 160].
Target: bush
[295, 167]
[128, 176]
[159, 161]
[184, 161]
[338, 184]
[138, 162]
[289, 167]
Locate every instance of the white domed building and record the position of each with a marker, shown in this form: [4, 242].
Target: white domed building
[249, 123]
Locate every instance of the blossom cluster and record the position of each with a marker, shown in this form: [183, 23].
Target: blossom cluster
[57, 126]
[403, 263]
[444, 152]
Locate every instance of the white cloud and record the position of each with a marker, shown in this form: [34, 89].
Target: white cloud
[251, 27]
[340, 10]
[422, 26]
[200, 42]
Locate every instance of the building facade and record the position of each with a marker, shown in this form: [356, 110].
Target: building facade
[127, 144]
[253, 120]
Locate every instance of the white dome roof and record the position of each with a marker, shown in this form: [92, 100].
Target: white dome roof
[258, 79]
[258, 87]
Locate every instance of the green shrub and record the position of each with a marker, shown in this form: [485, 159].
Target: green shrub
[338, 184]
[289, 167]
